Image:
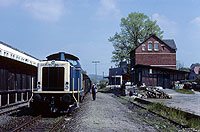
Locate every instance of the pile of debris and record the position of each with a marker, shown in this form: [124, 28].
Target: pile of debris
[156, 93]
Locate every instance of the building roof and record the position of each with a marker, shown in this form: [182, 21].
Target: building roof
[117, 71]
[194, 65]
[161, 68]
[17, 50]
[170, 43]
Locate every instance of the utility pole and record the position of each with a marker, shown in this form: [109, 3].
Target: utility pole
[103, 75]
[95, 62]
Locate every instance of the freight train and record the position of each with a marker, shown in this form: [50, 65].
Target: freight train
[61, 84]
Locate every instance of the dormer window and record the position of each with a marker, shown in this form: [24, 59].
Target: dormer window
[156, 46]
[143, 47]
[149, 46]
[163, 47]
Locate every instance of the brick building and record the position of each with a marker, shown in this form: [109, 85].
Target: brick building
[155, 52]
[153, 62]
[194, 71]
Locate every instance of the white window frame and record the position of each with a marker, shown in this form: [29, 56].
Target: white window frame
[156, 43]
[150, 71]
[149, 46]
[143, 47]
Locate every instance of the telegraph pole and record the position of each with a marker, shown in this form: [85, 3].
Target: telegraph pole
[96, 62]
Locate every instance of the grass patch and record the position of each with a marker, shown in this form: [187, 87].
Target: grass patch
[105, 89]
[194, 123]
[108, 90]
[174, 114]
[184, 91]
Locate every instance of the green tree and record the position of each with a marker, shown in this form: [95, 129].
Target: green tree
[134, 30]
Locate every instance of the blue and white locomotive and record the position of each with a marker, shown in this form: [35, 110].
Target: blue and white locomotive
[60, 84]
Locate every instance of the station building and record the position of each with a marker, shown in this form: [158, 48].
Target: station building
[153, 63]
[18, 75]
[117, 75]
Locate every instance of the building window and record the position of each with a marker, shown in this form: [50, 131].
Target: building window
[150, 46]
[143, 47]
[163, 47]
[150, 71]
[156, 46]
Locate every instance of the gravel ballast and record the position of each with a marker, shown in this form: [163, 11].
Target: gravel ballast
[104, 114]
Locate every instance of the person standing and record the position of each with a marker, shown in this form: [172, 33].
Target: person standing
[94, 89]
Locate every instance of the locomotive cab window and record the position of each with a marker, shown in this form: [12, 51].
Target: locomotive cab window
[74, 63]
[53, 78]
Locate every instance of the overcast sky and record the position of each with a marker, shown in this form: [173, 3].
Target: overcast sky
[82, 27]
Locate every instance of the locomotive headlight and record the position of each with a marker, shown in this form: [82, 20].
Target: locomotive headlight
[66, 85]
[53, 63]
[38, 85]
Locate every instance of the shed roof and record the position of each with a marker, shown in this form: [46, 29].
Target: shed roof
[161, 68]
[17, 50]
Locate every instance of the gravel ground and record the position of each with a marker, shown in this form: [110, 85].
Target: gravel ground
[186, 102]
[11, 120]
[105, 114]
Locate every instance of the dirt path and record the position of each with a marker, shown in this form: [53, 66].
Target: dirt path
[105, 114]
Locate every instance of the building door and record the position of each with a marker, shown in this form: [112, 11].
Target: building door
[160, 80]
[166, 81]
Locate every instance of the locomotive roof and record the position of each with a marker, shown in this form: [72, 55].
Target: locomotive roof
[57, 55]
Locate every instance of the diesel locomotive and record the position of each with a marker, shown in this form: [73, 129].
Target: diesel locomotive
[61, 84]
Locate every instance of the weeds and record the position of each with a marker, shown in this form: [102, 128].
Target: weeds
[184, 91]
[194, 123]
[174, 114]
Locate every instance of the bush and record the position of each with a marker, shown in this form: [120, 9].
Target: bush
[102, 84]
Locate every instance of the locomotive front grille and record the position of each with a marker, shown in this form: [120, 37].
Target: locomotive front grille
[53, 78]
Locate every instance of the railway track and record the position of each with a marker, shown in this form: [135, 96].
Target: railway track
[40, 123]
[13, 108]
[12, 105]
[143, 107]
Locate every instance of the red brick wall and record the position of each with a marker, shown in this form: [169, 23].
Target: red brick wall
[164, 56]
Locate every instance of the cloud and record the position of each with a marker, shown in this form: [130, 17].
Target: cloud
[169, 27]
[6, 3]
[47, 10]
[193, 28]
[108, 9]
[196, 22]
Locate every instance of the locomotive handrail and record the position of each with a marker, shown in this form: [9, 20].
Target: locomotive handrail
[73, 92]
[31, 94]
[78, 91]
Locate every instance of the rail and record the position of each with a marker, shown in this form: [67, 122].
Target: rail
[58, 123]
[23, 126]
[172, 121]
[11, 110]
